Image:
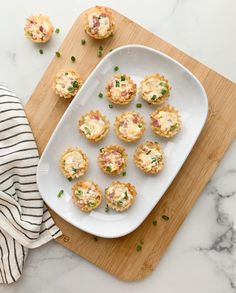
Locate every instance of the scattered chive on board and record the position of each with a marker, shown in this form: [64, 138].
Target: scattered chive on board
[166, 218]
[154, 222]
[124, 174]
[138, 105]
[83, 42]
[116, 68]
[138, 247]
[100, 95]
[99, 53]
[110, 106]
[73, 59]
[57, 30]
[58, 54]
[100, 48]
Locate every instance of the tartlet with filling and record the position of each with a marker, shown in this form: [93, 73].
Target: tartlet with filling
[121, 89]
[155, 89]
[166, 121]
[73, 163]
[149, 157]
[99, 22]
[67, 83]
[112, 159]
[129, 126]
[87, 195]
[94, 126]
[120, 196]
[38, 28]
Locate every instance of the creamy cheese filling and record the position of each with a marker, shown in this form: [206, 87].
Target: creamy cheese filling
[92, 126]
[87, 194]
[67, 82]
[119, 195]
[130, 126]
[73, 162]
[112, 160]
[167, 121]
[121, 87]
[98, 23]
[154, 88]
[37, 29]
[149, 157]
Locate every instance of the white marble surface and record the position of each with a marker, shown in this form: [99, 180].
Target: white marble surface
[202, 256]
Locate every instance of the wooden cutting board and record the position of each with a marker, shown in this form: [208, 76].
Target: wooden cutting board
[44, 109]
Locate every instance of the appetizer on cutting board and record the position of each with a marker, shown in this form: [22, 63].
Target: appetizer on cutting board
[38, 28]
[67, 83]
[120, 196]
[94, 126]
[99, 22]
[149, 157]
[129, 126]
[121, 89]
[73, 163]
[87, 195]
[166, 121]
[155, 89]
[112, 159]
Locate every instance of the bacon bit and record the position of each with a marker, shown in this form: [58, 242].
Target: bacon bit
[103, 15]
[41, 28]
[124, 93]
[156, 123]
[135, 119]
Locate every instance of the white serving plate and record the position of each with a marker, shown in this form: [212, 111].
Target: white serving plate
[187, 95]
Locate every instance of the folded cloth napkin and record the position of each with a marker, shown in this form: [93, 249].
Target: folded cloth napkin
[25, 221]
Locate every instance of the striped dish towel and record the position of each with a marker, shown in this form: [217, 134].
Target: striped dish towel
[25, 221]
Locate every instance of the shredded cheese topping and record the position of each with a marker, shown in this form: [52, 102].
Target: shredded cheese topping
[130, 125]
[98, 23]
[154, 88]
[93, 125]
[119, 195]
[74, 162]
[67, 82]
[167, 121]
[37, 27]
[87, 195]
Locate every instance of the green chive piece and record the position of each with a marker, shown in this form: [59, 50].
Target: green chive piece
[154, 222]
[83, 42]
[110, 106]
[138, 105]
[164, 217]
[124, 174]
[101, 149]
[100, 48]
[138, 247]
[70, 89]
[100, 95]
[107, 209]
[141, 242]
[58, 54]
[66, 73]
[41, 51]
[57, 30]
[69, 179]
[163, 92]
[99, 53]
[111, 50]
[148, 152]
[108, 168]
[111, 35]
[122, 78]
[74, 169]
[116, 68]
[73, 59]
[75, 84]
[154, 97]
[60, 193]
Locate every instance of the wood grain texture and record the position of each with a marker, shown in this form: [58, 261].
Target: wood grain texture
[44, 109]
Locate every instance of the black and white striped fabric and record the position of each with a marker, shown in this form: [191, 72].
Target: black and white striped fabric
[24, 219]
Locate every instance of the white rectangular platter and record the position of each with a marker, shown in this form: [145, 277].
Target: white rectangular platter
[187, 95]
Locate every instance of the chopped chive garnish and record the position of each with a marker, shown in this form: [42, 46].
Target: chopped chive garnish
[116, 68]
[154, 222]
[138, 247]
[166, 218]
[147, 153]
[83, 42]
[75, 84]
[41, 51]
[141, 242]
[154, 160]
[99, 53]
[73, 59]
[154, 97]
[58, 54]
[111, 35]
[106, 189]
[69, 179]
[66, 73]
[70, 88]
[108, 168]
[138, 105]
[100, 48]
[140, 125]
[100, 95]
[110, 106]
[57, 30]
[117, 83]
[122, 78]
[95, 238]
[163, 92]
[111, 50]
[60, 193]
[124, 174]
[126, 195]
[74, 169]
[106, 209]
[101, 149]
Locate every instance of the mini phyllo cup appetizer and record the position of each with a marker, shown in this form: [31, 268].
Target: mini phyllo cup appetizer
[112, 159]
[99, 22]
[87, 195]
[166, 121]
[129, 126]
[67, 83]
[149, 157]
[38, 28]
[155, 89]
[121, 89]
[94, 126]
[120, 196]
[73, 163]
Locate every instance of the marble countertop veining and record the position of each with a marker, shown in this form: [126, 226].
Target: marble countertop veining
[202, 256]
